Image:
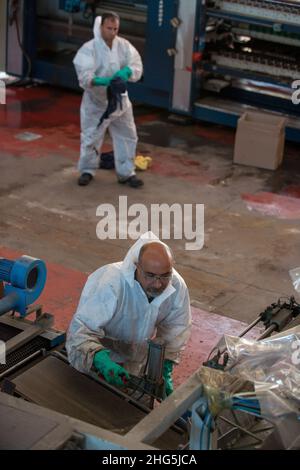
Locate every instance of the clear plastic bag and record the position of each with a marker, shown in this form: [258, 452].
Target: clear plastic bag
[295, 276]
[273, 365]
[219, 387]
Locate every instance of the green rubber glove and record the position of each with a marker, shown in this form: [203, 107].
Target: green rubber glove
[101, 81]
[167, 375]
[124, 73]
[112, 372]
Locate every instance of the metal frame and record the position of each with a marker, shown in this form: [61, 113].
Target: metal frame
[141, 436]
[163, 416]
[204, 431]
[64, 428]
[30, 329]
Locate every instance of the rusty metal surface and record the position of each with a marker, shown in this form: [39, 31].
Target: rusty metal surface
[55, 385]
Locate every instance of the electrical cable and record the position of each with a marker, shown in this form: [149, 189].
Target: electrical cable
[247, 410]
[29, 70]
[14, 18]
[206, 424]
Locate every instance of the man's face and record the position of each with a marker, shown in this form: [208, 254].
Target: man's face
[109, 30]
[154, 276]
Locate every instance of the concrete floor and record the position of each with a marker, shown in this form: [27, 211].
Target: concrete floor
[252, 216]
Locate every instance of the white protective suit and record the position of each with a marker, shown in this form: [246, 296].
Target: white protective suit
[96, 59]
[114, 313]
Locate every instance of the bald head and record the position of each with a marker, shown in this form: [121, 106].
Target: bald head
[156, 254]
[154, 268]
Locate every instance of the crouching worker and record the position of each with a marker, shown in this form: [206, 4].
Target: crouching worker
[125, 304]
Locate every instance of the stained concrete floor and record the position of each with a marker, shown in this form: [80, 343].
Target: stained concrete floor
[252, 216]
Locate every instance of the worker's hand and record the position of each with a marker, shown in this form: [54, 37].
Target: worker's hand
[167, 375]
[101, 81]
[124, 73]
[112, 372]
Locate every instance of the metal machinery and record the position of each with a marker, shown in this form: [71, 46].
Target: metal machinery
[206, 59]
[250, 57]
[23, 340]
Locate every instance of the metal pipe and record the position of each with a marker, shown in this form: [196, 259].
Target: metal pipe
[22, 363]
[60, 356]
[8, 303]
[249, 327]
[268, 332]
[240, 428]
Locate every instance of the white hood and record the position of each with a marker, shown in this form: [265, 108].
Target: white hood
[97, 28]
[133, 254]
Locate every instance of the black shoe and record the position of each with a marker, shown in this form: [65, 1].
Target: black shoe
[133, 182]
[85, 179]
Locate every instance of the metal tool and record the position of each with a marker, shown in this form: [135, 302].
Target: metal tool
[151, 382]
[275, 318]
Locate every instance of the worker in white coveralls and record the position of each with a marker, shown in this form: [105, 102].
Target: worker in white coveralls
[97, 63]
[125, 304]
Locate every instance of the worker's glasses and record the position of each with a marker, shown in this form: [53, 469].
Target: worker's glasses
[156, 277]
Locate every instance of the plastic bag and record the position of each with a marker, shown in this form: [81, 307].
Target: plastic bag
[295, 276]
[273, 365]
[219, 388]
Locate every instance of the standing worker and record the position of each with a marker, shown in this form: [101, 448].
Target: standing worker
[97, 63]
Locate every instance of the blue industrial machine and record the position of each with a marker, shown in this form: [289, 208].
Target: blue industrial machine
[23, 338]
[206, 59]
[24, 281]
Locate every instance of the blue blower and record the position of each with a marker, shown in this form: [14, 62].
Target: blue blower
[24, 281]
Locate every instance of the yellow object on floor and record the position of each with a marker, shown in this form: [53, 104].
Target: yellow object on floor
[142, 163]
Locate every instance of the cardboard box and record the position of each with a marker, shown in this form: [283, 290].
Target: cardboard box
[259, 140]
